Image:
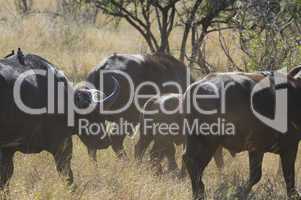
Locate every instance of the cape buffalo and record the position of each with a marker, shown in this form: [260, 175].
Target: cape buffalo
[248, 106]
[162, 122]
[157, 69]
[30, 123]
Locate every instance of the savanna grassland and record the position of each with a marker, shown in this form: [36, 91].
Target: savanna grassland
[76, 48]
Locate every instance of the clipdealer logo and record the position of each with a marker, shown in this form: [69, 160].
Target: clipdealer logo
[279, 122]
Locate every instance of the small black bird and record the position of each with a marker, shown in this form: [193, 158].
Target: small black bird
[20, 56]
[11, 54]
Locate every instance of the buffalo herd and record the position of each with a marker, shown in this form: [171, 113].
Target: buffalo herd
[40, 110]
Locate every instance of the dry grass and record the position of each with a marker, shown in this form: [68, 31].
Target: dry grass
[73, 47]
[76, 49]
[36, 178]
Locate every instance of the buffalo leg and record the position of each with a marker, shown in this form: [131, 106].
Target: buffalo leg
[6, 167]
[92, 154]
[117, 146]
[196, 158]
[141, 146]
[219, 159]
[183, 172]
[279, 171]
[288, 158]
[156, 156]
[255, 167]
[170, 153]
[62, 157]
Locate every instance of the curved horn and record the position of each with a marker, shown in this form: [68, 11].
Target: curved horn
[113, 96]
[85, 96]
[110, 99]
[295, 72]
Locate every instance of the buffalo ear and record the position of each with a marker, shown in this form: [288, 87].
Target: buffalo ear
[295, 72]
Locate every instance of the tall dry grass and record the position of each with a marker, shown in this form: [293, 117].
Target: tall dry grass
[36, 178]
[73, 47]
[76, 48]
